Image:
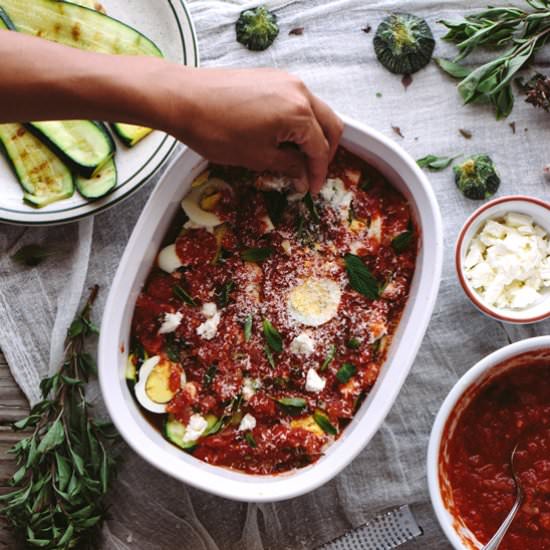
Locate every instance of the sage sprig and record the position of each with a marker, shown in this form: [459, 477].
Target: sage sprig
[519, 32]
[65, 465]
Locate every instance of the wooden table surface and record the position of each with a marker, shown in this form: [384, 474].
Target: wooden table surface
[13, 405]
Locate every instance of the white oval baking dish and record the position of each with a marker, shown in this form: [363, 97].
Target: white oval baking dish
[136, 262]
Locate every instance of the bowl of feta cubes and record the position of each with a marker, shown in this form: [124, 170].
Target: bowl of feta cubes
[503, 259]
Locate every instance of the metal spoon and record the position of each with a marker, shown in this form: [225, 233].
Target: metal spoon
[494, 543]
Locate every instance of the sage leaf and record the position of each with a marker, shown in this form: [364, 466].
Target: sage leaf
[322, 420]
[402, 242]
[54, 437]
[456, 70]
[345, 372]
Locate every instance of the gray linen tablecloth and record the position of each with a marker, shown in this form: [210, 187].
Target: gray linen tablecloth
[336, 59]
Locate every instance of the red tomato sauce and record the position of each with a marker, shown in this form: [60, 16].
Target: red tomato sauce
[514, 405]
[302, 244]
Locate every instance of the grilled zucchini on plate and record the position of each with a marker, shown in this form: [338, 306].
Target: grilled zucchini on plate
[43, 154]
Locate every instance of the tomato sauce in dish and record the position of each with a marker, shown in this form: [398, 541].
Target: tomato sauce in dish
[513, 406]
[263, 326]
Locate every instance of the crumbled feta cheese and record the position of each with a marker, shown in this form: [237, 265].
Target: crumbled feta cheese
[249, 388]
[508, 261]
[208, 329]
[248, 423]
[268, 224]
[171, 322]
[195, 428]
[303, 344]
[314, 383]
[209, 309]
[335, 193]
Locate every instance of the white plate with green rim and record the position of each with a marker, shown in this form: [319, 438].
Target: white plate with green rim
[168, 24]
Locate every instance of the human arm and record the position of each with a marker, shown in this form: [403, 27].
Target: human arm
[246, 117]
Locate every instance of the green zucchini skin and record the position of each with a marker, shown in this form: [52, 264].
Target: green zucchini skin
[85, 146]
[5, 22]
[78, 26]
[100, 184]
[42, 175]
[130, 134]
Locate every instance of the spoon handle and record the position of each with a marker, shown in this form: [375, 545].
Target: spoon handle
[494, 543]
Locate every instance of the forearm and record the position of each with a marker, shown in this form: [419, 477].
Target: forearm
[41, 80]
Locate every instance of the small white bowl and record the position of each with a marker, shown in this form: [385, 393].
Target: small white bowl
[513, 355]
[134, 267]
[539, 210]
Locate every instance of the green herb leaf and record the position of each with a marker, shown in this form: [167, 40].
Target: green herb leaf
[434, 163]
[308, 201]
[295, 402]
[353, 343]
[456, 70]
[360, 278]
[250, 439]
[223, 294]
[275, 203]
[270, 358]
[256, 254]
[402, 242]
[324, 423]
[31, 255]
[247, 328]
[272, 336]
[210, 374]
[54, 437]
[183, 296]
[329, 358]
[345, 372]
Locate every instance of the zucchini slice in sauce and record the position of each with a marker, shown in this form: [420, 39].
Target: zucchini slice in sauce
[84, 145]
[130, 134]
[77, 26]
[100, 184]
[174, 431]
[43, 176]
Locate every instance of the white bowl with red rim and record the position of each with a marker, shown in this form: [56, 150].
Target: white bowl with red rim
[511, 356]
[539, 211]
[404, 174]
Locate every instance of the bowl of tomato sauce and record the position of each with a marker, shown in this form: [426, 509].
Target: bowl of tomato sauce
[502, 400]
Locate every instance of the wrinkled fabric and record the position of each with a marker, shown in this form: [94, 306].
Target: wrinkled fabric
[335, 57]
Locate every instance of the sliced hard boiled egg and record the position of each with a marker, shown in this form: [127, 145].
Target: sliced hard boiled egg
[168, 259]
[153, 389]
[201, 200]
[314, 301]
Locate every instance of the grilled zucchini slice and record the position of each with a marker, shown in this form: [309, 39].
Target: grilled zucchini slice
[85, 146]
[100, 184]
[79, 27]
[43, 176]
[130, 134]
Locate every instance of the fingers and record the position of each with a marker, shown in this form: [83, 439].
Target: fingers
[291, 162]
[330, 123]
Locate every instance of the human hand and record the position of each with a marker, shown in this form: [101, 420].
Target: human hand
[263, 119]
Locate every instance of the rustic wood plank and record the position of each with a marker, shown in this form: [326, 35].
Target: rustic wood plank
[13, 406]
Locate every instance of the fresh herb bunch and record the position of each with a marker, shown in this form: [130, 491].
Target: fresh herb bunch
[521, 32]
[65, 465]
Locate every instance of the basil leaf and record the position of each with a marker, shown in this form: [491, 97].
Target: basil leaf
[250, 439]
[275, 203]
[345, 372]
[270, 357]
[256, 254]
[296, 402]
[402, 241]
[353, 343]
[360, 278]
[308, 201]
[435, 163]
[456, 70]
[328, 359]
[272, 336]
[247, 328]
[323, 422]
[209, 374]
[223, 294]
[182, 295]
